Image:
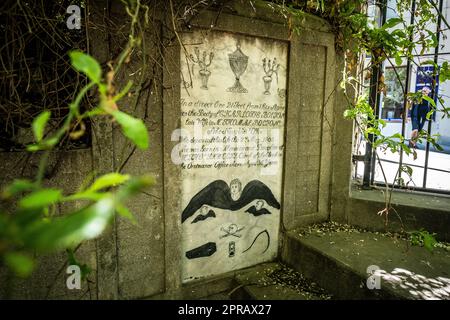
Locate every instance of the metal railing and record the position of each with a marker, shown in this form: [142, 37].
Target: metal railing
[369, 157]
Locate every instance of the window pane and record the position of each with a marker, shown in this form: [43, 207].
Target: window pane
[438, 174]
[392, 107]
[391, 11]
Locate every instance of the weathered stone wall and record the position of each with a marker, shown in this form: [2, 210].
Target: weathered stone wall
[309, 131]
[145, 260]
[67, 170]
[130, 257]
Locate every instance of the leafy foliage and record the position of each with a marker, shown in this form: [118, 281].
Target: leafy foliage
[359, 36]
[87, 65]
[363, 113]
[134, 129]
[39, 125]
[28, 223]
[423, 238]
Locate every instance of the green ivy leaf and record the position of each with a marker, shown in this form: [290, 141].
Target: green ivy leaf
[398, 59]
[47, 235]
[94, 112]
[17, 186]
[86, 64]
[135, 185]
[21, 264]
[444, 72]
[406, 148]
[108, 180]
[123, 92]
[349, 114]
[39, 124]
[87, 195]
[428, 241]
[40, 198]
[391, 23]
[124, 212]
[408, 170]
[437, 146]
[431, 101]
[397, 136]
[69, 231]
[72, 260]
[43, 145]
[132, 128]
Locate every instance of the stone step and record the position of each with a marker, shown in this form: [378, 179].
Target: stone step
[338, 261]
[273, 281]
[218, 296]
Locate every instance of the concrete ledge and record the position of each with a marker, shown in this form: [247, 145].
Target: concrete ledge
[416, 199]
[200, 289]
[253, 284]
[338, 262]
[417, 210]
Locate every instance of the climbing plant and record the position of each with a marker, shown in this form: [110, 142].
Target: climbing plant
[359, 36]
[29, 224]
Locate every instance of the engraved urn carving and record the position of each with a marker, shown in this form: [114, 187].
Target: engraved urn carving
[238, 63]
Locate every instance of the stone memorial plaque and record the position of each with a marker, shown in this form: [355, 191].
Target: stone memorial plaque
[233, 97]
